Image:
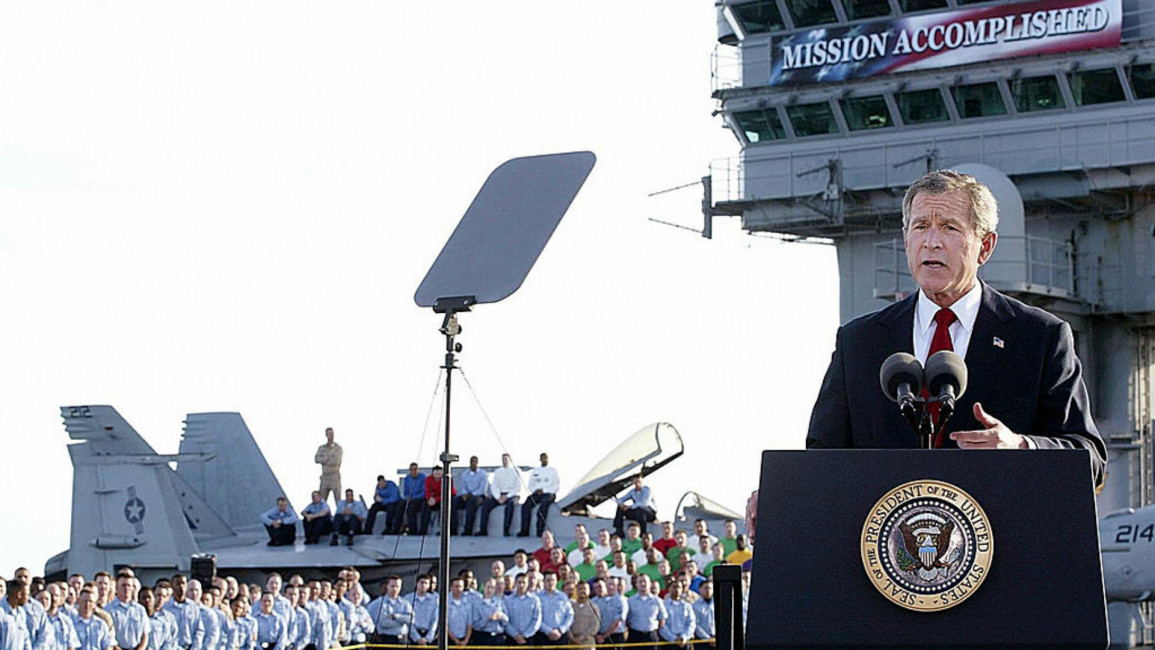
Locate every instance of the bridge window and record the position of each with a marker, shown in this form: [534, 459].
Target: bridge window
[760, 126]
[856, 9]
[979, 100]
[758, 17]
[812, 119]
[1091, 87]
[863, 113]
[1142, 80]
[811, 12]
[921, 5]
[922, 106]
[1037, 94]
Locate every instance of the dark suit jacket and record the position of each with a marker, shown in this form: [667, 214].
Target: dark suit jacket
[1033, 382]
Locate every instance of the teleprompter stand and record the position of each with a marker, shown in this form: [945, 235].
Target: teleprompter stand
[1043, 589]
[485, 260]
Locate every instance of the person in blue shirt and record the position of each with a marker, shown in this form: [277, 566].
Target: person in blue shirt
[391, 614]
[64, 632]
[336, 618]
[473, 486]
[209, 619]
[162, 590]
[190, 631]
[459, 619]
[646, 613]
[129, 619]
[245, 636]
[12, 611]
[524, 611]
[39, 630]
[92, 632]
[7, 623]
[158, 626]
[489, 617]
[612, 608]
[636, 505]
[281, 524]
[317, 519]
[387, 499]
[320, 623]
[423, 631]
[298, 629]
[350, 517]
[680, 624]
[556, 613]
[704, 612]
[271, 629]
[413, 500]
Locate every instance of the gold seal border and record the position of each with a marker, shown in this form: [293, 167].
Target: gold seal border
[921, 489]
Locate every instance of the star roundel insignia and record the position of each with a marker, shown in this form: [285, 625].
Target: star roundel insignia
[134, 510]
[927, 545]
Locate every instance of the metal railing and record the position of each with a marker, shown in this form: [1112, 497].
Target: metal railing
[1046, 268]
[772, 171]
[725, 68]
[892, 279]
[726, 180]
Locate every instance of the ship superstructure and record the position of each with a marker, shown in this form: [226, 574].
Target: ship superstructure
[839, 105]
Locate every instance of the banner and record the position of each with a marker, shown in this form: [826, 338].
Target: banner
[944, 39]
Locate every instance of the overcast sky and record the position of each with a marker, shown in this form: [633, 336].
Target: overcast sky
[213, 206]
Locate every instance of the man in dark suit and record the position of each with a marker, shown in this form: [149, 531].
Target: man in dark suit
[1025, 387]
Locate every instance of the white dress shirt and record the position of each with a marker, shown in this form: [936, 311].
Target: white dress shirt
[966, 310]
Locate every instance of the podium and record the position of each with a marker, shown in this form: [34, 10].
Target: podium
[823, 576]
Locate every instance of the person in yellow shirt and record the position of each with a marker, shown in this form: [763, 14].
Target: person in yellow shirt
[742, 554]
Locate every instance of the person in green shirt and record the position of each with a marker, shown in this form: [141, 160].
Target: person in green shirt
[719, 558]
[633, 541]
[665, 575]
[579, 531]
[574, 551]
[682, 545]
[730, 538]
[650, 568]
[587, 568]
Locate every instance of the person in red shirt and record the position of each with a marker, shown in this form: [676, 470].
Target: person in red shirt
[556, 559]
[547, 545]
[667, 541]
[433, 497]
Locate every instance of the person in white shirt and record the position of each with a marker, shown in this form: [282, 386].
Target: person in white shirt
[603, 550]
[520, 564]
[503, 491]
[543, 486]
[705, 554]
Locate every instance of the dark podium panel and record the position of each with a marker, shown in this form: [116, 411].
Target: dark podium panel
[1045, 584]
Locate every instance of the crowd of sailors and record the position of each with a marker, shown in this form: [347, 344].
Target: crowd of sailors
[590, 593]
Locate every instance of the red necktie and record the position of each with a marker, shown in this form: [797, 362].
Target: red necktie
[939, 342]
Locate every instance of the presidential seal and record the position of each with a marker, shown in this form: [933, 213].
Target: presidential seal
[927, 545]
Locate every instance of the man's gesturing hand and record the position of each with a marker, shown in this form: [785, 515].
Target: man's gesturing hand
[996, 435]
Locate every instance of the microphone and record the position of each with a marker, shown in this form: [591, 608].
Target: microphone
[946, 381]
[901, 378]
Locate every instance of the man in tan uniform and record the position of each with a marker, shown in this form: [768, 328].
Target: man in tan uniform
[329, 458]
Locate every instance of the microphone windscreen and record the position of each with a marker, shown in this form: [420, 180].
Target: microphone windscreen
[900, 368]
[945, 367]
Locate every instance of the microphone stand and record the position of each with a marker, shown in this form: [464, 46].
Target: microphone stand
[928, 432]
[925, 427]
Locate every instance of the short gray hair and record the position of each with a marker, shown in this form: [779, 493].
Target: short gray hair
[984, 208]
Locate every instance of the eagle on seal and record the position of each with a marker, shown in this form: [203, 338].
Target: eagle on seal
[926, 537]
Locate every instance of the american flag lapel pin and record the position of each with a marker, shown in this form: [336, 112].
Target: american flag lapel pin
[998, 343]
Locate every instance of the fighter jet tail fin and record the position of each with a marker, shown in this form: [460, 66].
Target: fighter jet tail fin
[128, 505]
[237, 483]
